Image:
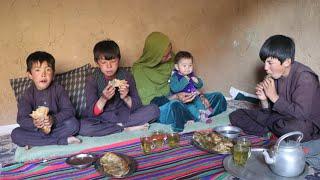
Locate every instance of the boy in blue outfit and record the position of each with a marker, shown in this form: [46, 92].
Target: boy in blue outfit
[184, 80]
[43, 92]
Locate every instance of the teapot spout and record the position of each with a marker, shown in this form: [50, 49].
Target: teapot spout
[267, 157]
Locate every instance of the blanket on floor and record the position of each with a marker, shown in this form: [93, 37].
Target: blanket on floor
[183, 162]
[45, 152]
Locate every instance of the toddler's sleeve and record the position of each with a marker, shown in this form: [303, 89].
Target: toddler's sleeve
[177, 85]
[198, 85]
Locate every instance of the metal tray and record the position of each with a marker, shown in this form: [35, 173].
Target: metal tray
[197, 145]
[256, 168]
[81, 161]
[132, 165]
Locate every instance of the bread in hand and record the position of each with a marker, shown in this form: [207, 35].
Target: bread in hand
[40, 113]
[117, 82]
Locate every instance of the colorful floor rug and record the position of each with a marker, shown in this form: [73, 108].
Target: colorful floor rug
[9, 152]
[183, 162]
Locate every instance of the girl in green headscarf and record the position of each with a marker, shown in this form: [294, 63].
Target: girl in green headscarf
[152, 72]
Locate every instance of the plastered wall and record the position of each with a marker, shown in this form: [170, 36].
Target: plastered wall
[223, 35]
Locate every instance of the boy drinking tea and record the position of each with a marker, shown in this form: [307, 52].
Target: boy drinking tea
[45, 113]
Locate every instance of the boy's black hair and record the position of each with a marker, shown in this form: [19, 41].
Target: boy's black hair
[182, 54]
[278, 46]
[40, 56]
[106, 49]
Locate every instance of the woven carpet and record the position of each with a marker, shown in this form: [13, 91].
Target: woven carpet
[183, 162]
[45, 152]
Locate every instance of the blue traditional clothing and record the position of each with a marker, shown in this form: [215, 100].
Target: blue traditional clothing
[180, 83]
[177, 114]
[152, 76]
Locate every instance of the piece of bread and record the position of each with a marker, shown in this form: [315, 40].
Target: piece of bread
[40, 113]
[114, 164]
[117, 82]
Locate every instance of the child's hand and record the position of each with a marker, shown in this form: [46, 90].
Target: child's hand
[48, 121]
[108, 92]
[186, 97]
[194, 79]
[124, 90]
[38, 123]
[260, 93]
[270, 89]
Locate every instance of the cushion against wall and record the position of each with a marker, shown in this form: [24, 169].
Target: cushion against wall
[73, 82]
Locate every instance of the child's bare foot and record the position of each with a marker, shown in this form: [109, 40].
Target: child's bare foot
[143, 127]
[73, 140]
[27, 147]
[190, 122]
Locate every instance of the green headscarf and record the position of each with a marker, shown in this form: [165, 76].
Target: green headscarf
[150, 74]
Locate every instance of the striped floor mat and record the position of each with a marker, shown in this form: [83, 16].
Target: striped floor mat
[184, 162]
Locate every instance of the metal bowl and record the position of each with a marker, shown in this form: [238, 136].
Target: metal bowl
[81, 161]
[228, 131]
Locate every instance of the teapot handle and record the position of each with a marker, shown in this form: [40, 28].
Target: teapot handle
[287, 135]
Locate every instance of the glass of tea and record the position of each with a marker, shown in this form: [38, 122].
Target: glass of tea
[173, 139]
[245, 142]
[240, 154]
[146, 144]
[158, 138]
